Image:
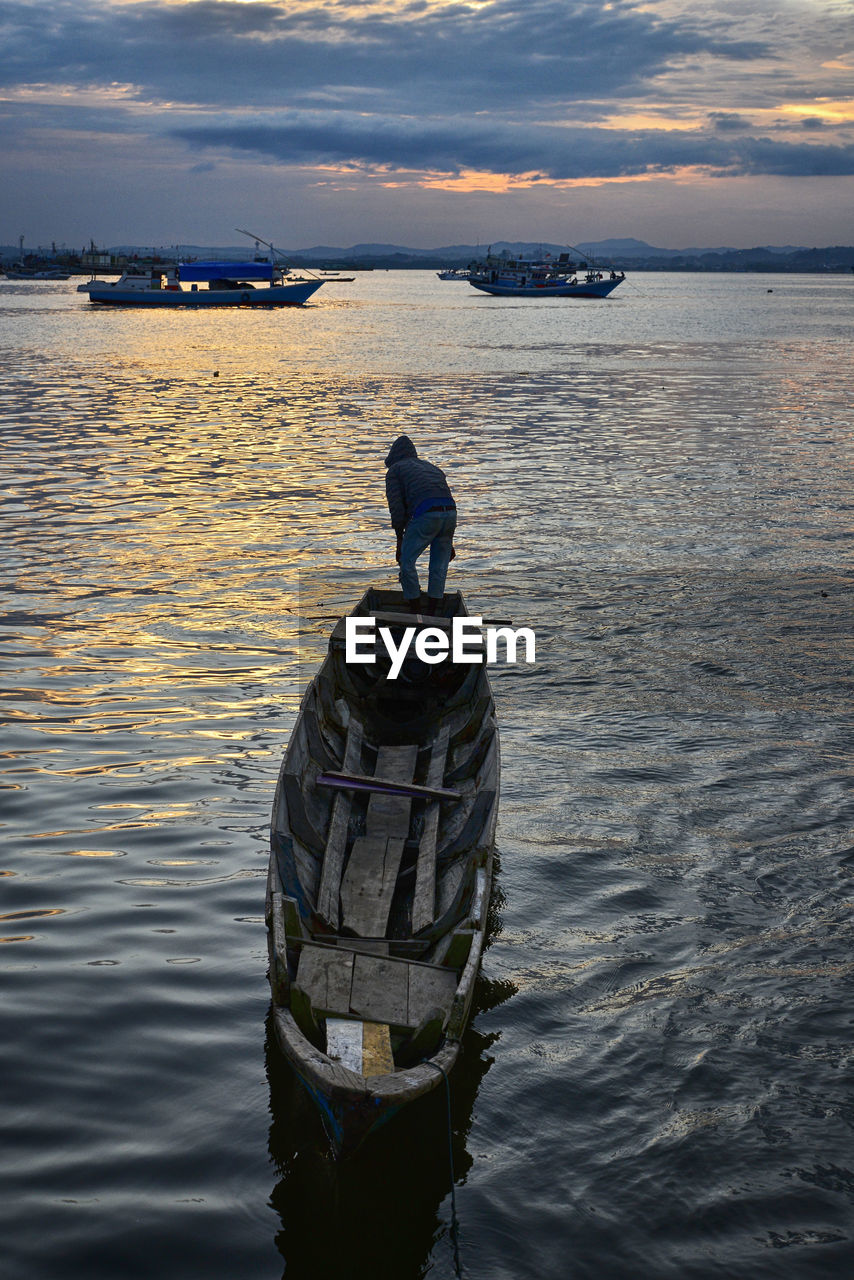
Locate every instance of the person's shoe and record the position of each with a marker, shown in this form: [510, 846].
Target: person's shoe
[414, 606]
[435, 604]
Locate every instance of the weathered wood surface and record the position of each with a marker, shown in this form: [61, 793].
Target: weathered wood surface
[336, 838]
[363, 1047]
[308, 1059]
[389, 815]
[400, 948]
[429, 988]
[377, 1058]
[367, 886]
[380, 991]
[279, 960]
[291, 917]
[368, 946]
[453, 950]
[384, 618]
[424, 901]
[362, 782]
[326, 976]
[299, 822]
[373, 988]
[344, 1038]
[465, 990]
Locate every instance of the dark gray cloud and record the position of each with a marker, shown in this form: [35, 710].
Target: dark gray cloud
[520, 53]
[729, 122]
[549, 152]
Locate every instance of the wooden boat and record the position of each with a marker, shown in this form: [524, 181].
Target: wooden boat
[380, 873]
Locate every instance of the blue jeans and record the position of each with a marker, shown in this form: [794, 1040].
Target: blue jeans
[433, 529]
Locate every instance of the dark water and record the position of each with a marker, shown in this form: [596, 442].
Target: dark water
[658, 1080]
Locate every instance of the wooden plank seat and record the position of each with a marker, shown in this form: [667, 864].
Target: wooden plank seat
[363, 1047]
[401, 948]
[388, 815]
[369, 988]
[367, 886]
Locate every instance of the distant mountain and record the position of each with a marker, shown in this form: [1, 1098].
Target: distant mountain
[640, 249]
[617, 249]
[628, 252]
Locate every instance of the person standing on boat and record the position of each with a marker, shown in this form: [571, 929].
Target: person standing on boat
[423, 514]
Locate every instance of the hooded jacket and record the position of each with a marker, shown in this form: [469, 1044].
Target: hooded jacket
[410, 481]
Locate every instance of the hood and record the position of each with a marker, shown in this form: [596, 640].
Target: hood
[402, 448]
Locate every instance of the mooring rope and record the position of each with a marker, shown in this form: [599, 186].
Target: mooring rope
[455, 1229]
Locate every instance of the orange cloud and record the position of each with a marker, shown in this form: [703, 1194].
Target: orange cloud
[840, 111]
[472, 180]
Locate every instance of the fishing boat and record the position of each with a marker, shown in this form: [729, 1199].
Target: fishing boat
[546, 277]
[227, 284]
[454, 273]
[380, 870]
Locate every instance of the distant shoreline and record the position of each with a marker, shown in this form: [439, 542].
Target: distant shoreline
[832, 260]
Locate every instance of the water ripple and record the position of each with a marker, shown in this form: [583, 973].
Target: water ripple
[661, 1054]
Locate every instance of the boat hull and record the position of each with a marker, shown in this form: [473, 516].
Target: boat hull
[444, 719]
[352, 1110]
[286, 295]
[593, 289]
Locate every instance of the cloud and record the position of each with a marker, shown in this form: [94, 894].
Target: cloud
[527, 53]
[542, 91]
[729, 122]
[548, 152]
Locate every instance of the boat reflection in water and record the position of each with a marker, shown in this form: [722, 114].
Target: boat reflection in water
[380, 1213]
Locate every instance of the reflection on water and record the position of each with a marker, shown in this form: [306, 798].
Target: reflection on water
[662, 488]
[385, 1211]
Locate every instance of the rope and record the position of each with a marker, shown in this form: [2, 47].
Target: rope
[455, 1228]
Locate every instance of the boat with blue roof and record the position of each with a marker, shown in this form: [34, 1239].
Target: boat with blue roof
[203, 284]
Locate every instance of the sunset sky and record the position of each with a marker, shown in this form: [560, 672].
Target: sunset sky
[679, 122]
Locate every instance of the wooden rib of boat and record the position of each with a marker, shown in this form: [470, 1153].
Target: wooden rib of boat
[380, 873]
